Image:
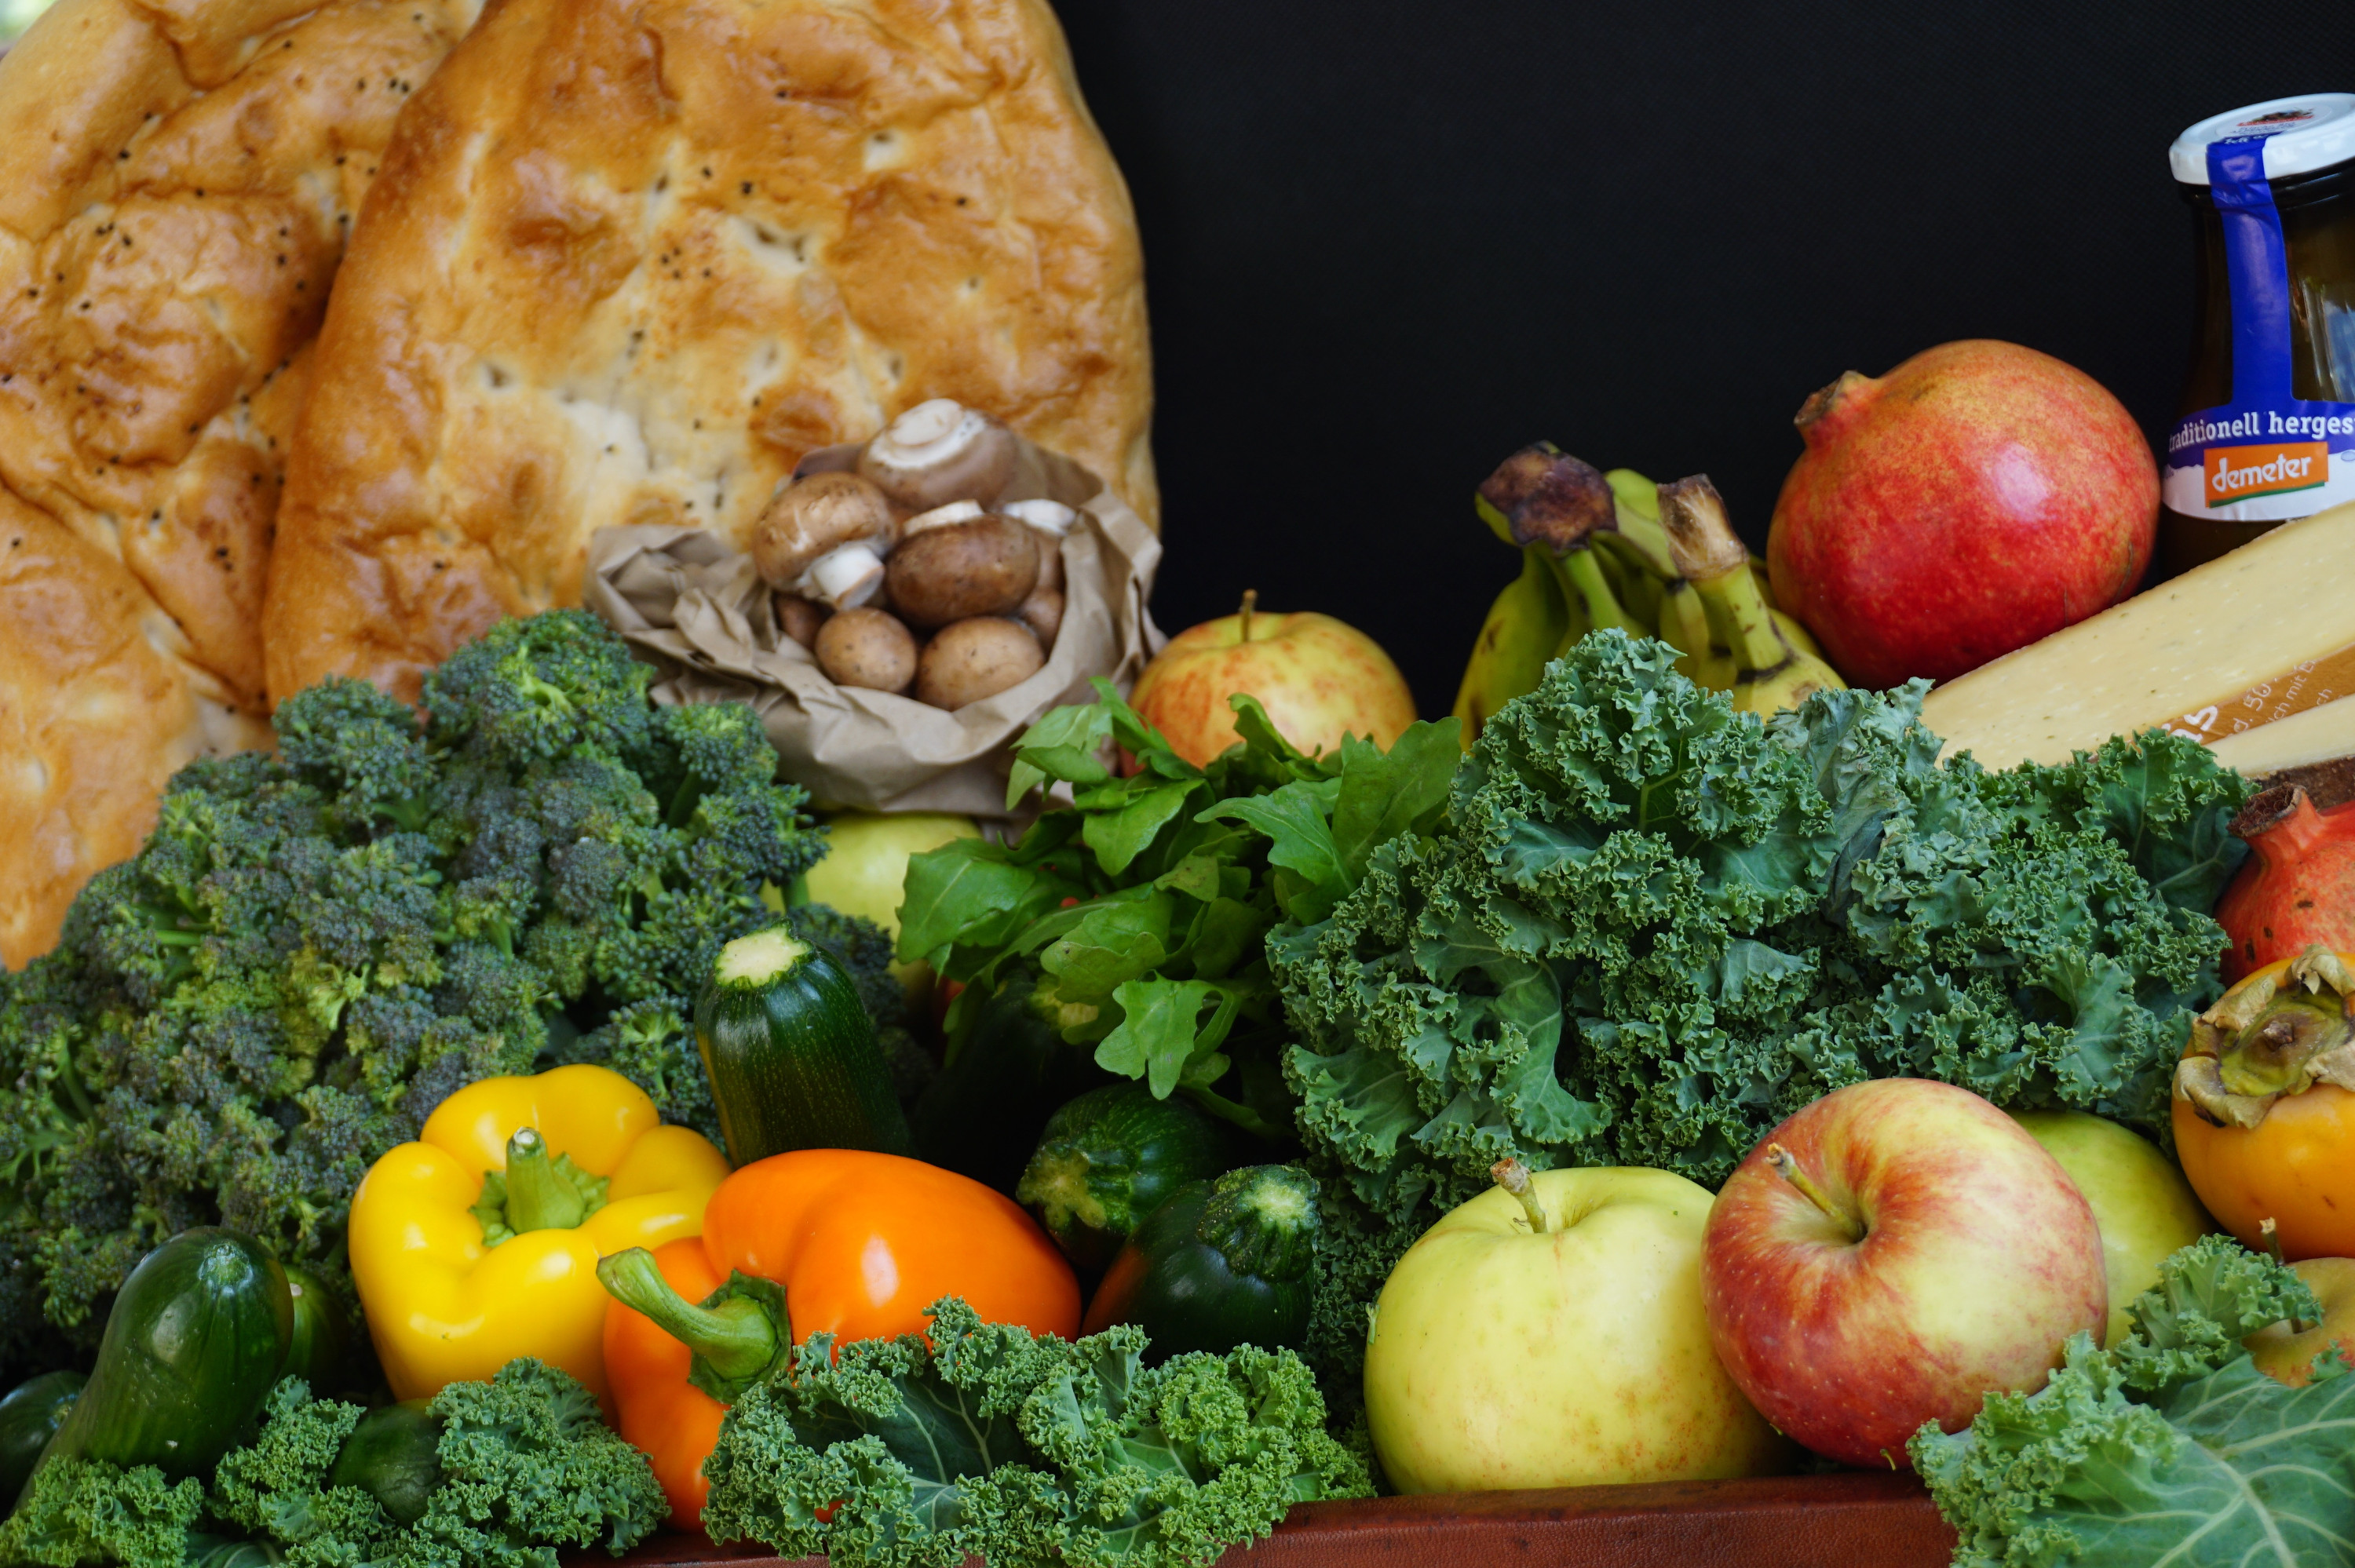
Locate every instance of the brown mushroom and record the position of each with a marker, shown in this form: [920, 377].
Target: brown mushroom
[867, 648]
[799, 619]
[940, 452]
[824, 537]
[985, 567]
[974, 659]
[1050, 520]
[1042, 612]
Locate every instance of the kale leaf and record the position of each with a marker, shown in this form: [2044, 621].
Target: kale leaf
[1648, 928]
[2171, 1446]
[1031, 1450]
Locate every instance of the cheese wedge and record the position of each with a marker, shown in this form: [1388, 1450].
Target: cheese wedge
[2229, 648]
[2318, 735]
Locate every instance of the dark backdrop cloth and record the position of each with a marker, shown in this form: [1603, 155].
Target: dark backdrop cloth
[1388, 241]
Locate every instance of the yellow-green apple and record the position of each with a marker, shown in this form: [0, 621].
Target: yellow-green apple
[1890, 1255]
[866, 863]
[2144, 1206]
[2285, 1352]
[1557, 1342]
[1318, 678]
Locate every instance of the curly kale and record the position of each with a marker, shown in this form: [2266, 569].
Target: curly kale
[2171, 1446]
[1647, 928]
[525, 1465]
[77, 1511]
[1034, 1450]
[315, 946]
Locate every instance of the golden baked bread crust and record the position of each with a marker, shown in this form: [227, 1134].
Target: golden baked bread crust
[178, 178]
[630, 259]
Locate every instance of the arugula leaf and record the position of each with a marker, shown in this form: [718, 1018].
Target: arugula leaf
[1065, 745]
[1156, 1039]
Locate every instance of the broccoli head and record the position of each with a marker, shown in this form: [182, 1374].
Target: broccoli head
[316, 946]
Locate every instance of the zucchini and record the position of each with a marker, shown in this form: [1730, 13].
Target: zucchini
[191, 1349]
[1109, 1159]
[792, 1053]
[1007, 1071]
[315, 1349]
[1225, 1262]
[29, 1416]
[394, 1455]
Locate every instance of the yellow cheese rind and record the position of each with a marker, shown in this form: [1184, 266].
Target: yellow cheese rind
[2207, 637]
[2318, 735]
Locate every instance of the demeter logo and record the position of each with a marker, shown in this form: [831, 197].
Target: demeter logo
[2236, 473]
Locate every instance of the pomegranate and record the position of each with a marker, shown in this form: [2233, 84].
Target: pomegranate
[2297, 886]
[1977, 497]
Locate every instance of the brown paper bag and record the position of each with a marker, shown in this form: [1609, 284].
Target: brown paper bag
[691, 603]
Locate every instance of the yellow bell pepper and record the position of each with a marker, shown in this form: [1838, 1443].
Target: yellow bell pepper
[479, 1242]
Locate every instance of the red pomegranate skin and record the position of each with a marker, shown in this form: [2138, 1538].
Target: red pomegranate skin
[2296, 889]
[1977, 497]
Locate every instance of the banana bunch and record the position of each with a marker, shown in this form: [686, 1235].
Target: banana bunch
[1614, 550]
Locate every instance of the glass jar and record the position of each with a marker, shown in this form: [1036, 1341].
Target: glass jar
[2265, 432]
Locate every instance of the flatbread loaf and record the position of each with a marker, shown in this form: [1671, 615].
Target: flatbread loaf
[177, 179]
[630, 259]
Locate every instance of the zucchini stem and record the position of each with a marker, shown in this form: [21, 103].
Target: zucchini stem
[1514, 1178]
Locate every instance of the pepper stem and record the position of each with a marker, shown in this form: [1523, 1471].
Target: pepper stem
[1514, 1178]
[1786, 1166]
[1251, 603]
[540, 1196]
[737, 1335]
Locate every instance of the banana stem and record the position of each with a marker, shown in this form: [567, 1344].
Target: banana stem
[1514, 1178]
[1786, 1166]
[1583, 574]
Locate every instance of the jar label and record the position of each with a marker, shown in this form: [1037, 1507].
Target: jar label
[2266, 456]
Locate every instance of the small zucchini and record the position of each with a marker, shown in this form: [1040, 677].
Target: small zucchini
[191, 1349]
[29, 1416]
[1109, 1159]
[1225, 1262]
[791, 1053]
[982, 1116]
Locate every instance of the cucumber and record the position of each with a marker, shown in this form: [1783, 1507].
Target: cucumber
[982, 1116]
[1109, 1159]
[791, 1053]
[394, 1455]
[1225, 1262]
[195, 1341]
[29, 1416]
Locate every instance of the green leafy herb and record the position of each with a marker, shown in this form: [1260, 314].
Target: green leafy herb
[1138, 918]
[2171, 1448]
[1648, 928]
[1031, 1451]
[77, 1511]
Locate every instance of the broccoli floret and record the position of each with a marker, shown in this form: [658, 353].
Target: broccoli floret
[315, 948]
[77, 1511]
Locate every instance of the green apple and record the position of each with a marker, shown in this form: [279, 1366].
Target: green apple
[2144, 1207]
[866, 863]
[1557, 1344]
[2285, 1352]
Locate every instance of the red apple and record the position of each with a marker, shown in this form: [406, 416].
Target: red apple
[1318, 678]
[1887, 1256]
[1976, 498]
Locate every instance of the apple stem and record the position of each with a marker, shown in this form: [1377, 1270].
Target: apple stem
[1514, 1178]
[1251, 602]
[1786, 1166]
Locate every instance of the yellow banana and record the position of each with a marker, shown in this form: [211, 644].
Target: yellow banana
[1684, 626]
[1770, 672]
[1530, 623]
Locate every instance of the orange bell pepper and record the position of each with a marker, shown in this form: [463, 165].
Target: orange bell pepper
[838, 1241]
[674, 1422]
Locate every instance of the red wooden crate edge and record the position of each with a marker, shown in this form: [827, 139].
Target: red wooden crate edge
[1782, 1521]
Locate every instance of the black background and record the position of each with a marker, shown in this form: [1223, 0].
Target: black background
[1388, 242]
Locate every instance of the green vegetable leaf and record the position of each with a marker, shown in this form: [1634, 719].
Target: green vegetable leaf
[2209, 1296]
[1386, 793]
[1157, 1037]
[971, 892]
[79, 1512]
[1114, 941]
[1124, 832]
[1297, 819]
[1066, 745]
